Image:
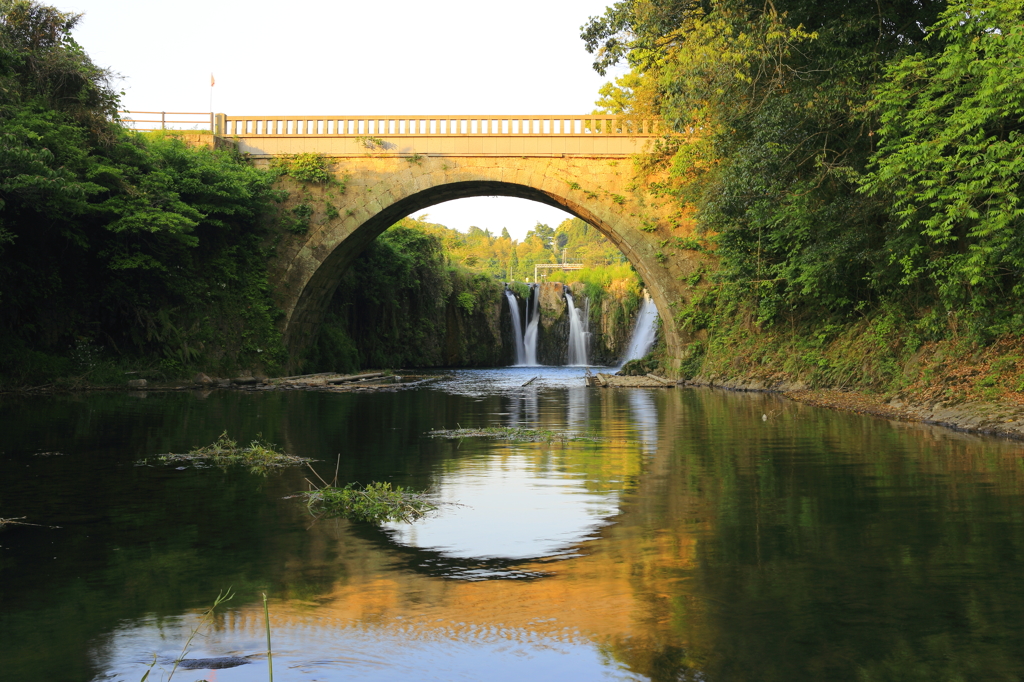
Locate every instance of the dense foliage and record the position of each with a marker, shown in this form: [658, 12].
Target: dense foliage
[404, 303]
[116, 247]
[842, 159]
[951, 157]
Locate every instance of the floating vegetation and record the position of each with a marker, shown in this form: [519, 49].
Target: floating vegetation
[516, 434]
[20, 521]
[375, 502]
[259, 455]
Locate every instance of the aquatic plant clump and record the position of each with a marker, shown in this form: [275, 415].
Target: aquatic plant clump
[376, 502]
[20, 521]
[258, 455]
[516, 434]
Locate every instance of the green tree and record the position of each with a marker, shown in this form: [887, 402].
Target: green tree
[951, 156]
[768, 103]
[619, 97]
[513, 263]
[583, 243]
[136, 243]
[544, 233]
[40, 61]
[530, 252]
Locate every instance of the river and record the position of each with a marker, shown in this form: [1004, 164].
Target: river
[653, 534]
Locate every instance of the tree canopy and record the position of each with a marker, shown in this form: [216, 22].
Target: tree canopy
[837, 155]
[109, 238]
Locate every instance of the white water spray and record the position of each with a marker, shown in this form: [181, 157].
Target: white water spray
[517, 327]
[643, 332]
[532, 324]
[578, 332]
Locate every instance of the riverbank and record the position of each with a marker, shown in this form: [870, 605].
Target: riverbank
[886, 363]
[998, 418]
[1004, 417]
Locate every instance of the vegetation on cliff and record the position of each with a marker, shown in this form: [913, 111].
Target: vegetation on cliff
[855, 173]
[403, 303]
[607, 280]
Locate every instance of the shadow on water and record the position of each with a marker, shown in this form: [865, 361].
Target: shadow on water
[704, 535]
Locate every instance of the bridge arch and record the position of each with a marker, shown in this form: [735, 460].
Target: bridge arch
[381, 191]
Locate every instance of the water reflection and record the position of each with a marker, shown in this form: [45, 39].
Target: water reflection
[523, 407]
[577, 409]
[644, 415]
[694, 541]
[522, 505]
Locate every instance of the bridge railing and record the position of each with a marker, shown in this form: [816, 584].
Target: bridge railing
[130, 119]
[436, 126]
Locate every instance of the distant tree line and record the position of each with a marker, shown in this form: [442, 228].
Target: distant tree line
[501, 257]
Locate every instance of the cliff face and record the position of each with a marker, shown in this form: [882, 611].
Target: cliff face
[433, 316]
[610, 323]
[481, 338]
[553, 337]
[466, 328]
[401, 305]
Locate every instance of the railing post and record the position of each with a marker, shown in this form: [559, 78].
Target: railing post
[163, 120]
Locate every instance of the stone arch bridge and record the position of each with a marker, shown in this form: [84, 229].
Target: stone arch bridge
[395, 166]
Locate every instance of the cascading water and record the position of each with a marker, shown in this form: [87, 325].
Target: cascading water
[578, 332]
[532, 324]
[517, 327]
[644, 331]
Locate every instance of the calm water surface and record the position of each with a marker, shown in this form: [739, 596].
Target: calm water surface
[699, 535]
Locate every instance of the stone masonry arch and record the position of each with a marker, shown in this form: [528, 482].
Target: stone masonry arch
[380, 190]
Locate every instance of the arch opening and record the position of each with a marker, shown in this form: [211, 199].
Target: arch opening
[305, 318]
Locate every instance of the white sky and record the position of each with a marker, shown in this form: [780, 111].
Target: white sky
[354, 58]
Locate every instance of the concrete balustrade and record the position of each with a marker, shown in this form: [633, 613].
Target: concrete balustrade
[600, 135]
[355, 126]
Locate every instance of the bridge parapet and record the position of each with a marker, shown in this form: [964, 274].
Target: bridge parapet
[448, 135]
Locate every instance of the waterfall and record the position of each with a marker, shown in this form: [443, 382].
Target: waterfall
[532, 323]
[578, 332]
[517, 327]
[643, 333]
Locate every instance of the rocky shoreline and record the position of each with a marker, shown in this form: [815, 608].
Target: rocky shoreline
[1005, 419]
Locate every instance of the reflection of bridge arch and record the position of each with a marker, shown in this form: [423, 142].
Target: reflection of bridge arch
[579, 165]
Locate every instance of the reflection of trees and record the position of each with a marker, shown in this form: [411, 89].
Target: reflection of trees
[829, 546]
[159, 541]
[812, 545]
